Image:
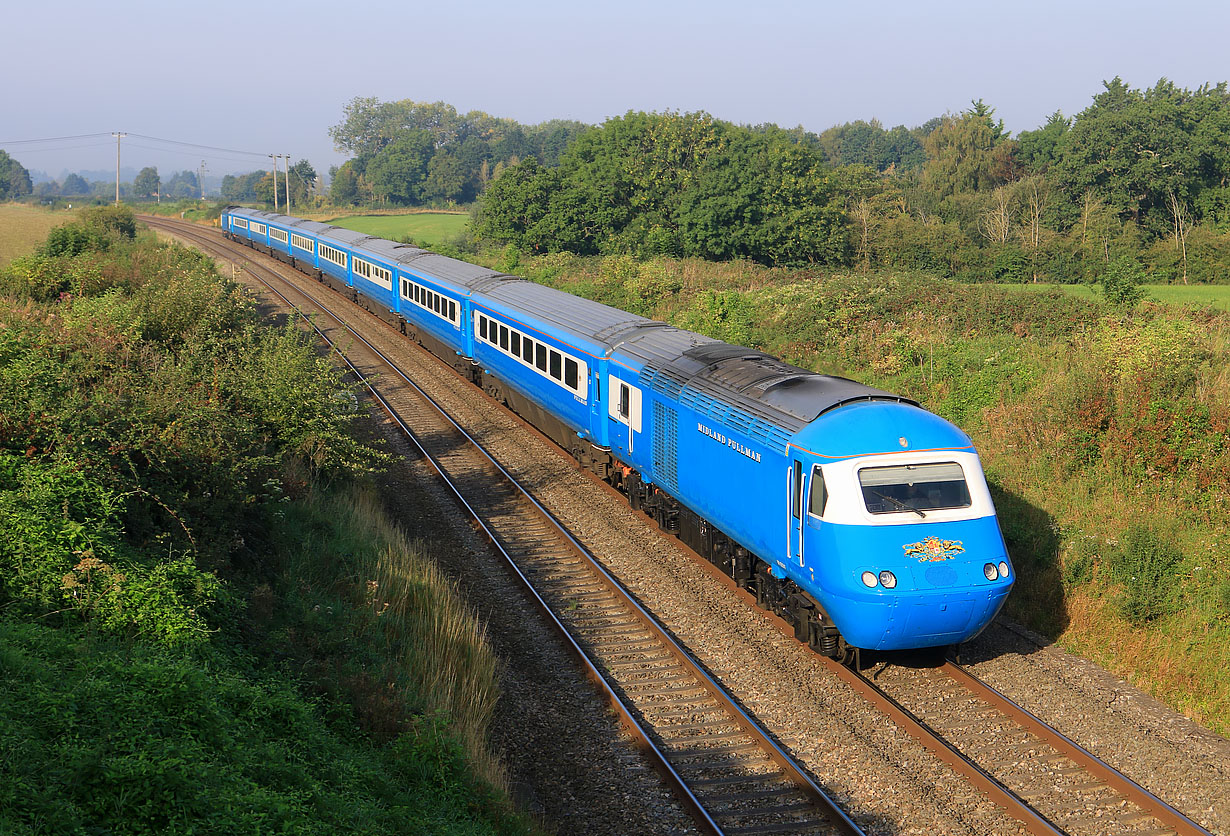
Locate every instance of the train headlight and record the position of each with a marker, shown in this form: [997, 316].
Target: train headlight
[990, 571]
[869, 579]
[887, 579]
[1003, 568]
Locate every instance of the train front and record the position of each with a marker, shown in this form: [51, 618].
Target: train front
[899, 539]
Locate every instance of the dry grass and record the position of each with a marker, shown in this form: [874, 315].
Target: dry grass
[434, 642]
[22, 228]
[1151, 659]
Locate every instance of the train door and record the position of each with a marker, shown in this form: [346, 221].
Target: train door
[624, 408]
[795, 485]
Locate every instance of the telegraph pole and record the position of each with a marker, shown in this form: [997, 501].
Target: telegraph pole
[274, 157]
[287, 183]
[118, 136]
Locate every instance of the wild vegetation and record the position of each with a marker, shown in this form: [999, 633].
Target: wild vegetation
[1102, 427]
[205, 622]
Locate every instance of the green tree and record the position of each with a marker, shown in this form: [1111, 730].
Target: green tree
[446, 178]
[1121, 282]
[1037, 150]
[302, 181]
[398, 172]
[14, 178]
[869, 144]
[74, 184]
[961, 154]
[182, 184]
[1137, 148]
[147, 183]
[346, 188]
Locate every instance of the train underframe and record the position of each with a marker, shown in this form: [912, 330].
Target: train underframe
[782, 596]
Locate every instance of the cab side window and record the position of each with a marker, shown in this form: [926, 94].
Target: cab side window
[819, 496]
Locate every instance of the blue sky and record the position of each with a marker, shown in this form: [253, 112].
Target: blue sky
[273, 77]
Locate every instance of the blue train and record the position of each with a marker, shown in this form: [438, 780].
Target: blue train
[859, 517]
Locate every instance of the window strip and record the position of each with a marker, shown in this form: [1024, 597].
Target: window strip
[566, 370]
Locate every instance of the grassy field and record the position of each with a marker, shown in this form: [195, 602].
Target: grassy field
[423, 227]
[1192, 295]
[22, 228]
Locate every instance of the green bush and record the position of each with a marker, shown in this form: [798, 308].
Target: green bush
[1121, 282]
[1144, 569]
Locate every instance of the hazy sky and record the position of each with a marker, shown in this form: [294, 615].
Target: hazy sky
[273, 77]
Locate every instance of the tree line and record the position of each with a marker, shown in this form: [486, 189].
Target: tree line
[1137, 179]
[15, 183]
[258, 185]
[410, 153]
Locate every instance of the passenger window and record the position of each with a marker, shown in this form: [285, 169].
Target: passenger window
[504, 337]
[570, 373]
[452, 310]
[516, 344]
[540, 357]
[527, 350]
[555, 364]
[819, 495]
[482, 327]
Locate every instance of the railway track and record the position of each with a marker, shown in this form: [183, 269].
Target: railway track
[1035, 774]
[1043, 778]
[730, 774]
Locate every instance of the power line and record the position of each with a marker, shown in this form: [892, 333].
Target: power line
[198, 145]
[53, 139]
[186, 153]
[163, 140]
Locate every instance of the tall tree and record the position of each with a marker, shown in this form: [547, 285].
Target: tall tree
[398, 172]
[961, 154]
[74, 184]
[1137, 147]
[14, 178]
[146, 184]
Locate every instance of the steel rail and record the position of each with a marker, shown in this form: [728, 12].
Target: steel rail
[792, 770]
[1017, 807]
[1091, 763]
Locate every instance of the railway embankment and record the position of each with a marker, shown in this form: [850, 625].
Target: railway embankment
[203, 615]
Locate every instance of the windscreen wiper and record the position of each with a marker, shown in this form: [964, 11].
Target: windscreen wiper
[898, 503]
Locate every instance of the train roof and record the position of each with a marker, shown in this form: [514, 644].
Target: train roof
[572, 314]
[712, 375]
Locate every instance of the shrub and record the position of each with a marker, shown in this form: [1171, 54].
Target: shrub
[1121, 282]
[1143, 568]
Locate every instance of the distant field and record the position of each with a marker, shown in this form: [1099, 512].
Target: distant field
[1192, 295]
[423, 227]
[22, 228]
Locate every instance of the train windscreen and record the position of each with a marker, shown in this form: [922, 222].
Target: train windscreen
[914, 487]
